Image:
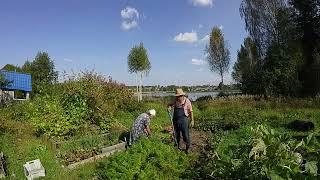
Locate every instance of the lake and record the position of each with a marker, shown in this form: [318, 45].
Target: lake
[192, 96]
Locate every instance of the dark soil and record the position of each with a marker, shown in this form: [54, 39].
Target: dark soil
[199, 140]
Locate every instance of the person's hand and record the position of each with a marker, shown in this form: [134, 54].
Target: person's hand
[191, 124]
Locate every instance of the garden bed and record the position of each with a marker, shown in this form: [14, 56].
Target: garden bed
[107, 151]
[80, 148]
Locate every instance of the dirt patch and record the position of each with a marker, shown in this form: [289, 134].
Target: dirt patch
[199, 140]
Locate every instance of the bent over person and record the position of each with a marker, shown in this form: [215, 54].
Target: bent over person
[182, 109]
[141, 126]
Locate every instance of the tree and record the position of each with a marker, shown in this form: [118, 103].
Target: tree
[138, 62]
[260, 18]
[279, 73]
[10, 67]
[26, 68]
[3, 81]
[42, 70]
[307, 15]
[246, 69]
[246, 61]
[217, 53]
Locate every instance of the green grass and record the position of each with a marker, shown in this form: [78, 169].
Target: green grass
[19, 150]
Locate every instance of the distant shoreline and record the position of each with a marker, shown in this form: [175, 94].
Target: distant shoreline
[215, 91]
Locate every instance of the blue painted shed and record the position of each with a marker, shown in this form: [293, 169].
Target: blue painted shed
[18, 81]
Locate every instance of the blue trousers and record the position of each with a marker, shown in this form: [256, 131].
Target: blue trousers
[181, 128]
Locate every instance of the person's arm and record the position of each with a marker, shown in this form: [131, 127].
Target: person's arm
[190, 112]
[192, 119]
[147, 127]
[147, 130]
[170, 105]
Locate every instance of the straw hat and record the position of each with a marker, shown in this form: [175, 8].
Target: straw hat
[152, 112]
[179, 92]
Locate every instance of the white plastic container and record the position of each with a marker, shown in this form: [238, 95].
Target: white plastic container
[34, 169]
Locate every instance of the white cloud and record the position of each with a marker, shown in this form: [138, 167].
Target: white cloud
[197, 62]
[127, 25]
[129, 13]
[205, 39]
[187, 37]
[202, 3]
[199, 70]
[67, 60]
[130, 17]
[200, 26]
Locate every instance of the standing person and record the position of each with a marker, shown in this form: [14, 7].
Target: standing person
[182, 109]
[141, 126]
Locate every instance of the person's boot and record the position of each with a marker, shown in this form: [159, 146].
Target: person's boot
[177, 146]
[187, 148]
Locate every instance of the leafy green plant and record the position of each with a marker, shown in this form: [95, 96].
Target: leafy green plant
[260, 153]
[148, 159]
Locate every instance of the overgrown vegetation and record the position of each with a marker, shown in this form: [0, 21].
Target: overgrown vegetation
[240, 146]
[251, 139]
[80, 105]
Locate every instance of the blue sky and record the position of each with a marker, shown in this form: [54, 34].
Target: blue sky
[98, 34]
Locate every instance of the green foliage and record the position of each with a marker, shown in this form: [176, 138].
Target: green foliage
[306, 14]
[10, 67]
[244, 152]
[82, 104]
[218, 54]
[3, 81]
[49, 117]
[101, 98]
[280, 73]
[231, 113]
[246, 61]
[42, 71]
[261, 21]
[286, 34]
[245, 70]
[260, 153]
[138, 60]
[148, 159]
[20, 149]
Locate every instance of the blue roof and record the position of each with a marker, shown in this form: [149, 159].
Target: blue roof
[19, 81]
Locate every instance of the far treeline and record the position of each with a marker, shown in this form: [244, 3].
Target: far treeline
[282, 54]
[199, 88]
